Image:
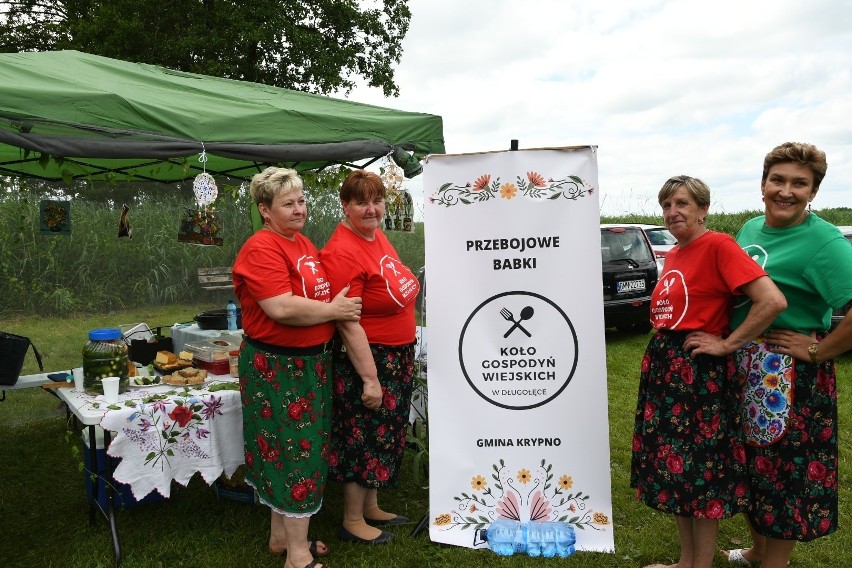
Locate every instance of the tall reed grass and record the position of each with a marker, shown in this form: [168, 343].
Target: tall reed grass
[93, 270]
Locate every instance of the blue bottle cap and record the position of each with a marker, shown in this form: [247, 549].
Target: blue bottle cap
[105, 334]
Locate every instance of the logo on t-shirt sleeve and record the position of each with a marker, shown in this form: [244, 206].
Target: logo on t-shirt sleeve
[758, 254]
[315, 285]
[401, 284]
[761, 257]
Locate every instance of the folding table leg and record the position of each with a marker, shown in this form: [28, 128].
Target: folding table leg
[109, 512]
[93, 464]
[110, 488]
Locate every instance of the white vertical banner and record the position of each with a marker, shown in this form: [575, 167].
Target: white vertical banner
[518, 424]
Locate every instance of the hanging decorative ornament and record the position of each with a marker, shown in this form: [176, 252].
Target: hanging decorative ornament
[202, 226]
[124, 229]
[392, 175]
[204, 186]
[54, 217]
[398, 202]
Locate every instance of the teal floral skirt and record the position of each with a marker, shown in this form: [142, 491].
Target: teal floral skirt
[367, 445]
[286, 426]
[688, 450]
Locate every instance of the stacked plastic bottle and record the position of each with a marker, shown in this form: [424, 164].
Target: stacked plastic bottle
[231, 315]
[506, 537]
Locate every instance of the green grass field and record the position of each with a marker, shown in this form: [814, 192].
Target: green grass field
[43, 511]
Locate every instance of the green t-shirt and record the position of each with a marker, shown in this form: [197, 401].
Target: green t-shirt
[811, 263]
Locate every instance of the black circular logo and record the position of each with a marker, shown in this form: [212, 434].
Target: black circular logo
[518, 350]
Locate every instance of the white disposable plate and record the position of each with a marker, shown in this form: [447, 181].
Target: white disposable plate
[131, 384]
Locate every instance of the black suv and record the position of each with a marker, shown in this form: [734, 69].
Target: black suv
[629, 277]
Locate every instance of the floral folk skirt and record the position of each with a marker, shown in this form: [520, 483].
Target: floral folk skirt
[794, 480]
[688, 451]
[367, 445]
[286, 427]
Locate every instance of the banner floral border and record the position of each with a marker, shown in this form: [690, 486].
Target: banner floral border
[525, 496]
[533, 186]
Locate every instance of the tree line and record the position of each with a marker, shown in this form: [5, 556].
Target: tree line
[317, 46]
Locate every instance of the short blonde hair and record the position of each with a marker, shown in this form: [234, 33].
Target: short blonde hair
[272, 182]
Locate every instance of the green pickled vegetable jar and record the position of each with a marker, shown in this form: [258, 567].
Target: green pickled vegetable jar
[105, 355]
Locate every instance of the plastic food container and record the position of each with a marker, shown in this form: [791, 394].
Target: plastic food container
[213, 354]
[105, 355]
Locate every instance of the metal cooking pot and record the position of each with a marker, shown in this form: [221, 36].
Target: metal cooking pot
[217, 319]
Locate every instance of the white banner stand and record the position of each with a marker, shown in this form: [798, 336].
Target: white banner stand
[518, 424]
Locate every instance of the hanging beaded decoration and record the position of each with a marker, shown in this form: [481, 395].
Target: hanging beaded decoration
[204, 186]
[399, 206]
[202, 226]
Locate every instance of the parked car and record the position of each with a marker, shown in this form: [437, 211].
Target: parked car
[630, 274]
[662, 241]
[838, 315]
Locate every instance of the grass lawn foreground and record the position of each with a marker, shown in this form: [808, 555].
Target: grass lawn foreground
[44, 515]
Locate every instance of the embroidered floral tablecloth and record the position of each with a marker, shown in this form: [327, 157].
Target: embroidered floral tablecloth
[168, 436]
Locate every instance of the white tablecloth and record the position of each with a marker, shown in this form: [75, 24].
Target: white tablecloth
[163, 438]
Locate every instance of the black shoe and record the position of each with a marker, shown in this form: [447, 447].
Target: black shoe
[397, 520]
[383, 538]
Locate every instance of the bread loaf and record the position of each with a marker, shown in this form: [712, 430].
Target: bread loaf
[165, 358]
[188, 376]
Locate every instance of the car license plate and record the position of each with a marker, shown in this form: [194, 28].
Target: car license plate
[630, 286]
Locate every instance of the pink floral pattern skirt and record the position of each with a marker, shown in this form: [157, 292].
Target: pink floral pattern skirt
[286, 426]
[367, 445]
[688, 447]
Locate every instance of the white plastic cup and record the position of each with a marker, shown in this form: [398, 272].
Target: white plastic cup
[110, 388]
[78, 379]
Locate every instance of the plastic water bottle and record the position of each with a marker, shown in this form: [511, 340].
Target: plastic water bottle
[231, 313]
[535, 538]
[520, 541]
[565, 539]
[501, 536]
[548, 539]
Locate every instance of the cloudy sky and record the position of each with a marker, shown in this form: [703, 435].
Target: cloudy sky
[660, 87]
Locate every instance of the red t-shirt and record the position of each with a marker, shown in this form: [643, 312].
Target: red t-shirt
[387, 287]
[269, 265]
[697, 288]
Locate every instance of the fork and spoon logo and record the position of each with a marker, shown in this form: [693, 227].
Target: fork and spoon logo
[526, 314]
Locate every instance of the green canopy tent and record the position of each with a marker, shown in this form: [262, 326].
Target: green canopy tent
[67, 115]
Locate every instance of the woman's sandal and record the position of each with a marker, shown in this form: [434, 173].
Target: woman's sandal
[314, 564]
[312, 548]
[735, 556]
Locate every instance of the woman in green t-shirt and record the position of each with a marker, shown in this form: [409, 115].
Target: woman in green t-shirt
[789, 398]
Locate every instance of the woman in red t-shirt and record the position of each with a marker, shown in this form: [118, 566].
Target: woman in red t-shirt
[374, 369]
[288, 313]
[688, 448]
